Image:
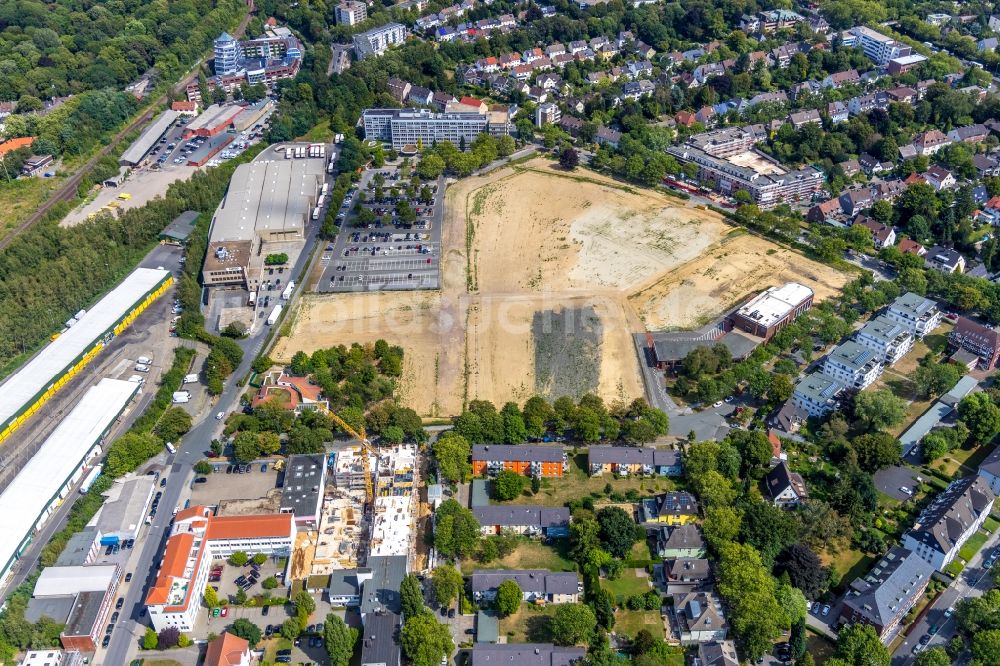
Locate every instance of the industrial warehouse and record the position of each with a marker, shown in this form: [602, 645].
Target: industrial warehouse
[85, 335]
[140, 148]
[46, 479]
[266, 211]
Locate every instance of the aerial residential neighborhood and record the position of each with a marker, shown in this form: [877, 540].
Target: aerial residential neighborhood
[499, 333]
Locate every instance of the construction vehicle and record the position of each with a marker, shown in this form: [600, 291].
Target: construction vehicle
[366, 450]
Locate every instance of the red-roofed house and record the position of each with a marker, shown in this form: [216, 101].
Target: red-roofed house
[185, 108]
[197, 537]
[473, 102]
[228, 650]
[882, 234]
[685, 118]
[297, 393]
[15, 144]
[991, 211]
[907, 246]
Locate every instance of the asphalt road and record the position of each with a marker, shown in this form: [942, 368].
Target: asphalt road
[179, 474]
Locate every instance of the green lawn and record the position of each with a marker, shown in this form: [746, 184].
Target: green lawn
[955, 568]
[577, 483]
[530, 624]
[973, 545]
[991, 524]
[849, 564]
[641, 552]
[271, 647]
[530, 554]
[631, 622]
[628, 584]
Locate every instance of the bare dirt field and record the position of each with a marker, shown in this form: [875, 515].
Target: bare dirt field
[544, 278]
[735, 268]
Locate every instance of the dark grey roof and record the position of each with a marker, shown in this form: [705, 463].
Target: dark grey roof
[182, 226]
[380, 643]
[532, 516]
[681, 537]
[781, 477]
[526, 452]
[343, 582]
[950, 515]
[535, 581]
[525, 654]
[382, 591]
[633, 455]
[84, 615]
[717, 653]
[57, 608]
[991, 465]
[673, 347]
[694, 568]
[303, 487]
[77, 548]
[877, 597]
[681, 503]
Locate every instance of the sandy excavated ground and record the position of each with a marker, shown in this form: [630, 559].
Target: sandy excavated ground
[736, 268]
[564, 268]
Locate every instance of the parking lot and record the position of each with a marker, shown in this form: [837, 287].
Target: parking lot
[898, 482]
[386, 252]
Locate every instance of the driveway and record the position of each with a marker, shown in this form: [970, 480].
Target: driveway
[891, 479]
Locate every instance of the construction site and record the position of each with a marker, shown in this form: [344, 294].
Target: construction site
[346, 537]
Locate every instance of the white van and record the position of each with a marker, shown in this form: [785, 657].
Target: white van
[141, 367]
[171, 448]
[145, 360]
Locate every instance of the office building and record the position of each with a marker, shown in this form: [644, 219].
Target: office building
[198, 537]
[412, 127]
[304, 488]
[78, 597]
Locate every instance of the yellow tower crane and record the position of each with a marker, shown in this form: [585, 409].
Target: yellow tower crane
[366, 450]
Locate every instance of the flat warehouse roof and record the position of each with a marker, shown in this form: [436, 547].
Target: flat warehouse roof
[149, 137]
[34, 487]
[49, 364]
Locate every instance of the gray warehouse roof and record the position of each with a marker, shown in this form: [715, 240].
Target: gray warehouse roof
[379, 640]
[268, 197]
[181, 226]
[123, 512]
[382, 591]
[525, 654]
[134, 154]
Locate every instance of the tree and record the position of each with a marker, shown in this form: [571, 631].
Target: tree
[173, 424]
[509, 597]
[721, 524]
[339, 640]
[203, 467]
[780, 390]
[291, 628]
[747, 586]
[936, 656]
[617, 530]
[507, 485]
[456, 531]
[859, 645]
[245, 447]
[569, 159]
[269, 583]
[150, 640]
[259, 559]
[768, 529]
[515, 431]
[447, 584]
[210, 597]
[240, 598]
[876, 450]
[792, 601]
[246, 630]
[425, 640]
[573, 624]
[981, 415]
[986, 647]
[239, 559]
[934, 378]
[451, 453]
[879, 410]
[804, 569]
[584, 537]
[411, 596]
[755, 451]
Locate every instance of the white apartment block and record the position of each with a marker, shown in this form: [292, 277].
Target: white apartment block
[402, 127]
[817, 394]
[350, 13]
[878, 47]
[853, 365]
[889, 339]
[947, 523]
[376, 42]
[919, 315]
